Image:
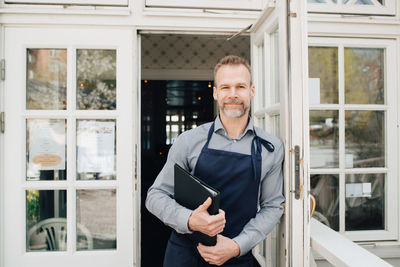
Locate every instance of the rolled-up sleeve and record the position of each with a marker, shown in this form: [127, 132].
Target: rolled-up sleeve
[160, 196]
[271, 208]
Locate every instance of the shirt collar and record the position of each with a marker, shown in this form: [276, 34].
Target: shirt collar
[218, 127]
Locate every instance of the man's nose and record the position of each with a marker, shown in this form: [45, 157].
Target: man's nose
[232, 91]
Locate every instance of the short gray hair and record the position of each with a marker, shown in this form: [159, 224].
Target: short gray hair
[232, 60]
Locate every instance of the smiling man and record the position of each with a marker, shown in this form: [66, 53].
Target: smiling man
[241, 161]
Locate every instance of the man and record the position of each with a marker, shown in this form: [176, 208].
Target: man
[241, 161]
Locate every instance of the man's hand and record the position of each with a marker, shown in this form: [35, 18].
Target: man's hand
[224, 250]
[200, 220]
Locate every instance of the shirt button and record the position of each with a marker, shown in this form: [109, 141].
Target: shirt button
[234, 140]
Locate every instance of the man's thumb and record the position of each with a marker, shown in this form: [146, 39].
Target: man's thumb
[206, 204]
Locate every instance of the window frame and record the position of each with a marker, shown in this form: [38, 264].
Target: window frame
[219, 4]
[118, 3]
[391, 137]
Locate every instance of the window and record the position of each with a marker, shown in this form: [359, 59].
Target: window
[353, 142]
[373, 7]
[71, 2]
[220, 4]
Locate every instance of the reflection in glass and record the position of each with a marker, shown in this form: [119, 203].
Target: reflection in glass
[96, 149]
[277, 125]
[365, 139]
[325, 189]
[261, 66]
[364, 75]
[96, 79]
[275, 67]
[46, 149]
[46, 79]
[363, 2]
[46, 213]
[96, 211]
[365, 202]
[324, 139]
[323, 67]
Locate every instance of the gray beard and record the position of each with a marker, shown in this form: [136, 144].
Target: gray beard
[234, 113]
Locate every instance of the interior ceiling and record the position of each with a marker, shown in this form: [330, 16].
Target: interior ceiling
[190, 52]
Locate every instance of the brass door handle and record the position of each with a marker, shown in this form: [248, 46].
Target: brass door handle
[313, 204]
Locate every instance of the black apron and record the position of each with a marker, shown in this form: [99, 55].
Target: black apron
[237, 177]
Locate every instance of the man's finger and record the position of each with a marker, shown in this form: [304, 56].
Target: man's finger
[205, 205]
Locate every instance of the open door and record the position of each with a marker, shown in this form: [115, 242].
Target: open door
[68, 174]
[280, 74]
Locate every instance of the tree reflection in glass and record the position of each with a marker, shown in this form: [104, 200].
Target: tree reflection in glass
[323, 65]
[46, 79]
[364, 75]
[365, 139]
[96, 79]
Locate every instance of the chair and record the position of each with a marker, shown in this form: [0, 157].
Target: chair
[51, 234]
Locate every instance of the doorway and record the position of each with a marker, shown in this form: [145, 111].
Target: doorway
[176, 95]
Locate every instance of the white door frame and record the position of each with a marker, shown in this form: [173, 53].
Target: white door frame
[2, 220]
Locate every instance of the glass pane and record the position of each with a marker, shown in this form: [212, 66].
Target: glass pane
[364, 2]
[277, 125]
[323, 73]
[365, 139]
[324, 139]
[46, 79]
[46, 149]
[96, 79]
[364, 75]
[96, 149]
[365, 202]
[316, 1]
[325, 189]
[46, 220]
[96, 219]
[261, 66]
[275, 67]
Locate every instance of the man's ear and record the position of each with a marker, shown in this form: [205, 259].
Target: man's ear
[215, 93]
[252, 91]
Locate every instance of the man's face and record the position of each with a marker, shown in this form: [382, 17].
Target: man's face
[233, 91]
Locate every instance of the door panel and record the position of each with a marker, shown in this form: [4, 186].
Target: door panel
[68, 171]
[279, 60]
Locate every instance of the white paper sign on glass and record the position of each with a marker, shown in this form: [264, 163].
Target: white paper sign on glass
[96, 146]
[46, 145]
[358, 190]
[314, 86]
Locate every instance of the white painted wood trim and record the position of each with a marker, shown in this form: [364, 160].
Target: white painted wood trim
[339, 250]
[71, 2]
[137, 115]
[2, 176]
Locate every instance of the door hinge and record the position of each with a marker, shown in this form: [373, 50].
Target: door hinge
[3, 69]
[2, 121]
